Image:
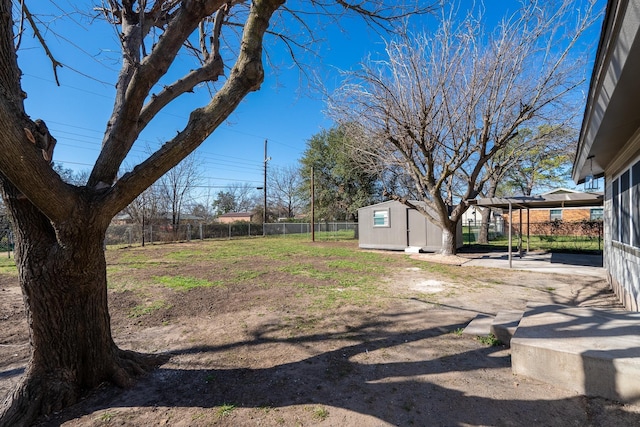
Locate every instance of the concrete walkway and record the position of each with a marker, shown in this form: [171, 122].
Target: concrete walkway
[560, 263]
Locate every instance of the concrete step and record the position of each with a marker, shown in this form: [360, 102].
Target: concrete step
[502, 326]
[595, 352]
[505, 324]
[480, 326]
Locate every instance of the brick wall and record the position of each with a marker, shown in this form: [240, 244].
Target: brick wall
[574, 222]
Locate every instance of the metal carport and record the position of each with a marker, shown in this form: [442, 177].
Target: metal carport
[547, 201]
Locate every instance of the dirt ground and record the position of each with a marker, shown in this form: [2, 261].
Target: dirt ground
[259, 356]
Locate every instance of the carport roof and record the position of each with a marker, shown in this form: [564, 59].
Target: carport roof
[548, 201]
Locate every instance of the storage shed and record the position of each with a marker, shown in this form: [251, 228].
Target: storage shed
[393, 226]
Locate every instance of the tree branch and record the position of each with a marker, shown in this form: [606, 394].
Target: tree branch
[246, 76]
[36, 31]
[137, 78]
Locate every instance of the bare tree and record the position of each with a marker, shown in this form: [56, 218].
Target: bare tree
[145, 209]
[177, 185]
[61, 227]
[286, 193]
[245, 196]
[440, 106]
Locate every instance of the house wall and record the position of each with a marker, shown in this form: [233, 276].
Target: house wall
[543, 215]
[622, 254]
[232, 219]
[540, 221]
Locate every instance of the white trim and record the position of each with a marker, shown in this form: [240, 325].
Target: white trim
[386, 217]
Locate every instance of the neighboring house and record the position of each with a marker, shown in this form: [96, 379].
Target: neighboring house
[609, 144]
[543, 220]
[394, 226]
[230, 217]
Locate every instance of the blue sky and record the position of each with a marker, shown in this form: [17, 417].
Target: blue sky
[282, 112]
[285, 111]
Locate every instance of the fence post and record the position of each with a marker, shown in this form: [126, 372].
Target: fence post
[229, 231]
[188, 232]
[151, 234]
[200, 231]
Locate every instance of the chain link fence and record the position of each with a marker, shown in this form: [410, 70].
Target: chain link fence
[129, 235]
[548, 235]
[6, 241]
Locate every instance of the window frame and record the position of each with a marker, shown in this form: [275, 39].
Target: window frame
[598, 217]
[553, 217]
[625, 206]
[385, 214]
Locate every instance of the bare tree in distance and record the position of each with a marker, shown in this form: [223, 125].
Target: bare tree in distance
[441, 105]
[60, 228]
[285, 187]
[245, 196]
[146, 209]
[177, 187]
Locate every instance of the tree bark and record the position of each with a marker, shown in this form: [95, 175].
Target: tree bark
[449, 240]
[64, 284]
[483, 233]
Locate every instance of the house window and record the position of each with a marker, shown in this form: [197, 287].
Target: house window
[596, 214]
[381, 218]
[635, 204]
[625, 200]
[555, 214]
[615, 210]
[625, 205]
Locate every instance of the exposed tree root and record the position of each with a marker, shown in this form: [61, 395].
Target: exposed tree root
[40, 394]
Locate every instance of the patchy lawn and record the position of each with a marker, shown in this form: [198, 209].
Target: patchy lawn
[283, 332]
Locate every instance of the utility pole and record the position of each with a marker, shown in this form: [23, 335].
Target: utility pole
[264, 207]
[313, 210]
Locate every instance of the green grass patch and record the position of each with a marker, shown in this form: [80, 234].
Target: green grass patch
[320, 413]
[225, 410]
[187, 254]
[326, 275]
[355, 265]
[489, 340]
[247, 275]
[8, 266]
[148, 308]
[182, 283]
[106, 417]
[134, 257]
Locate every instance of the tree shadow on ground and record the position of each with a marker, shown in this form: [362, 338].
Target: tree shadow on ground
[398, 392]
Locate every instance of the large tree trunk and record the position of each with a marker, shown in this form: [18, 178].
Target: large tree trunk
[483, 233]
[63, 280]
[449, 238]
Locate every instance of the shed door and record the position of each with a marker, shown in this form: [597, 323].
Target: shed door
[417, 228]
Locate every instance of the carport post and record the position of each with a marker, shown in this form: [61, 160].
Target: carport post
[510, 233]
[520, 233]
[528, 234]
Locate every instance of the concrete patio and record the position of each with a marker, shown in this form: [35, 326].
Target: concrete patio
[543, 262]
[592, 351]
